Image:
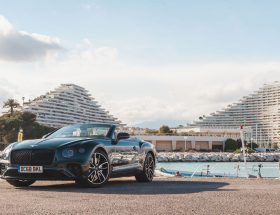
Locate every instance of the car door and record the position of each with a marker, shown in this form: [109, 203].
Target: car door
[134, 151]
[125, 155]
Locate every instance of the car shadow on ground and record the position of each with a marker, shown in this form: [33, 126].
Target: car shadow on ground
[131, 187]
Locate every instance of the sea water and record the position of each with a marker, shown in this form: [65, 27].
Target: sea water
[228, 169]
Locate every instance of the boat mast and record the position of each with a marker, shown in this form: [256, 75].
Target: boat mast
[243, 147]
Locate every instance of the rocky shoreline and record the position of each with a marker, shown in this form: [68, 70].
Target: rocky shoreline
[216, 157]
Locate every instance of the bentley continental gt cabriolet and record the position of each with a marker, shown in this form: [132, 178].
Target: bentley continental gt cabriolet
[89, 154]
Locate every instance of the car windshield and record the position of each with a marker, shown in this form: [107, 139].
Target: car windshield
[83, 130]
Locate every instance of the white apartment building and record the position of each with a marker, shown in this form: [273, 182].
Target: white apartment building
[233, 133]
[260, 111]
[68, 104]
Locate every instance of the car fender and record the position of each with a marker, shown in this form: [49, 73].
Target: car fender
[146, 148]
[92, 146]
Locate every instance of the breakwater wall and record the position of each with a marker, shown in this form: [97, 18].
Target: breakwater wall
[216, 157]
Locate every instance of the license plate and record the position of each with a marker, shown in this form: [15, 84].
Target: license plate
[30, 169]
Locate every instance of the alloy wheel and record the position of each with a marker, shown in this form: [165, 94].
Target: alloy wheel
[149, 167]
[99, 169]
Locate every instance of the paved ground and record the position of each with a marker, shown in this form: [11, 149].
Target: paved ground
[163, 196]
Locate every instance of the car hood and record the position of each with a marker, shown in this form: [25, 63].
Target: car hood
[52, 143]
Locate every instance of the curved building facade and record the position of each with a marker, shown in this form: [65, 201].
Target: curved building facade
[68, 104]
[260, 111]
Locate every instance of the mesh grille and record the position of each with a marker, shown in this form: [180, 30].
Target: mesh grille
[32, 157]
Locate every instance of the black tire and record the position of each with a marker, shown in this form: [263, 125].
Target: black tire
[147, 174]
[21, 183]
[99, 171]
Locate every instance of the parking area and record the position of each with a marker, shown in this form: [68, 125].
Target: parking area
[163, 196]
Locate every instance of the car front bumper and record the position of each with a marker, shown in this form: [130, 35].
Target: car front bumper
[67, 171]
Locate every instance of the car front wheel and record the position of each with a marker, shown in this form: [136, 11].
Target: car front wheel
[99, 170]
[147, 174]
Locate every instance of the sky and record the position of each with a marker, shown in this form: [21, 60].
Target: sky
[148, 62]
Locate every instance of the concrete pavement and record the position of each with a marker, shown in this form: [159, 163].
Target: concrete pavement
[163, 196]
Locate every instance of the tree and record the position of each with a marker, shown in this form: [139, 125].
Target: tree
[11, 104]
[11, 124]
[275, 146]
[164, 129]
[231, 145]
[150, 131]
[239, 143]
[254, 145]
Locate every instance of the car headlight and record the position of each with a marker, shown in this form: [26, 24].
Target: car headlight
[68, 153]
[6, 152]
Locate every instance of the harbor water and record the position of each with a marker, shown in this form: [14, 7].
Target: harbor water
[227, 169]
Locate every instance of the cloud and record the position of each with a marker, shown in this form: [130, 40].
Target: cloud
[185, 92]
[22, 46]
[226, 93]
[137, 94]
[85, 51]
[88, 6]
[4, 95]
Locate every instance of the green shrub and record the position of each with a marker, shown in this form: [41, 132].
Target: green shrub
[247, 150]
[164, 129]
[254, 145]
[247, 144]
[231, 145]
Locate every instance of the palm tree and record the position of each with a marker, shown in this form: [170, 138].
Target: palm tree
[11, 104]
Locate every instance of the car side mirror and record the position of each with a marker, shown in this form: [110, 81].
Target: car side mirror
[122, 136]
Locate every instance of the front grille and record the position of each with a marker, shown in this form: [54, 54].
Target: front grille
[32, 157]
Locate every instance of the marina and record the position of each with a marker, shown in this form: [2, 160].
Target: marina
[224, 169]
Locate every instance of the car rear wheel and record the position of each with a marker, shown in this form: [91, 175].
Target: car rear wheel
[21, 183]
[99, 170]
[147, 174]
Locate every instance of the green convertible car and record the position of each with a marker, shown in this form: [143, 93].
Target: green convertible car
[89, 154]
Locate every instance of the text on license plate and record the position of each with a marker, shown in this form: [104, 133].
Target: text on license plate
[30, 169]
